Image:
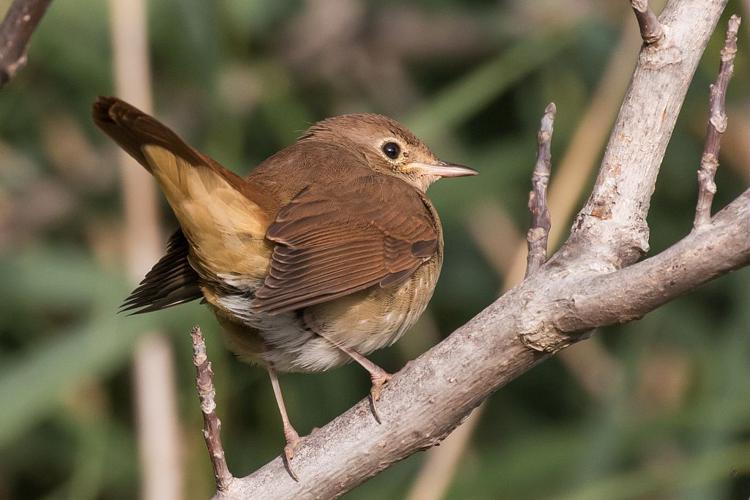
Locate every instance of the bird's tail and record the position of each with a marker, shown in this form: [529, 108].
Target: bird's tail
[221, 214]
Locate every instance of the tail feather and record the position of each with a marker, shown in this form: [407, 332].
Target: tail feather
[223, 218]
[132, 129]
[170, 282]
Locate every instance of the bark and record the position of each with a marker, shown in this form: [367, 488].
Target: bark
[21, 20]
[204, 383]
[538, 234]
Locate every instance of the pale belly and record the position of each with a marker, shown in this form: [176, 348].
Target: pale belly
[307, 340]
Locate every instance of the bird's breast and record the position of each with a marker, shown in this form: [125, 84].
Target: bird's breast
[376, 317]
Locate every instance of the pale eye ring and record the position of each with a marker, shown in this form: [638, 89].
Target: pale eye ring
[391, 149]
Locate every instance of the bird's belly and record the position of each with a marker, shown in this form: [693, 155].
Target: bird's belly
[307, 340]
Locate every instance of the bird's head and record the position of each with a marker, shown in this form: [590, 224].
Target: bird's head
[387, 146]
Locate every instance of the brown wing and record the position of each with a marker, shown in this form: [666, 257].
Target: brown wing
[337, 238]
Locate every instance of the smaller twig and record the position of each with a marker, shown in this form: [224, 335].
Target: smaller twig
[651, 30]
[211, 422]
[15, 31]
[540, 221]
[717, 124]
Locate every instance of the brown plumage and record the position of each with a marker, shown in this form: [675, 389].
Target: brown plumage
[326, 252]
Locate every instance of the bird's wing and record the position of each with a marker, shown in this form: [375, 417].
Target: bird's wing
[337, 238]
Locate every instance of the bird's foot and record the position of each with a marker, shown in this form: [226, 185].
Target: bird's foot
[378, 376]
[292, 443]
[379, 379]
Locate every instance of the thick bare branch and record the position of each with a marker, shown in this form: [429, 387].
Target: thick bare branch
[15, 32]
[538, 233]
[722, 246]
[204, 381]
[648, 23]
[717, 124]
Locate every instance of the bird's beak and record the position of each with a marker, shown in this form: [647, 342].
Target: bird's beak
[442, 169]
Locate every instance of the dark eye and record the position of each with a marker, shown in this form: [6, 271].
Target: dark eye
[391, 150]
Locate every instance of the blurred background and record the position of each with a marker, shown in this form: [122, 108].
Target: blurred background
[659, 408]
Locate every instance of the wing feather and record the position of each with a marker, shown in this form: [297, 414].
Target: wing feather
[337, 238]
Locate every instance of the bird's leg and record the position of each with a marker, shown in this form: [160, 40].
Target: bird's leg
[378, 376]
[291, 436]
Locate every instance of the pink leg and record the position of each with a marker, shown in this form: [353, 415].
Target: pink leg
[378, 376]
[291, 436]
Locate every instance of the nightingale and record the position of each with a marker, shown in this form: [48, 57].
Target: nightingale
[325, 252]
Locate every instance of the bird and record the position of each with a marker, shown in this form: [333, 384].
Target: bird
[325, 252]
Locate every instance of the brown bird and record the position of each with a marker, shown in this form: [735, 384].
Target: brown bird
[327, 251]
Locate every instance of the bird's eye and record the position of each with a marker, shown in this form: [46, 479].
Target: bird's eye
[391, 150]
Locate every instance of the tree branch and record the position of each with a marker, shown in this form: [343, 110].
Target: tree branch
[611, 231]
[583, 286]
[717, 125]
[538, 233]
[648, 23]
[723, 245]
[15, 32]
[204, 382]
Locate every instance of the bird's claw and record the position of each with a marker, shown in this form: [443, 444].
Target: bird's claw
[378, 381]
[292, 443]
